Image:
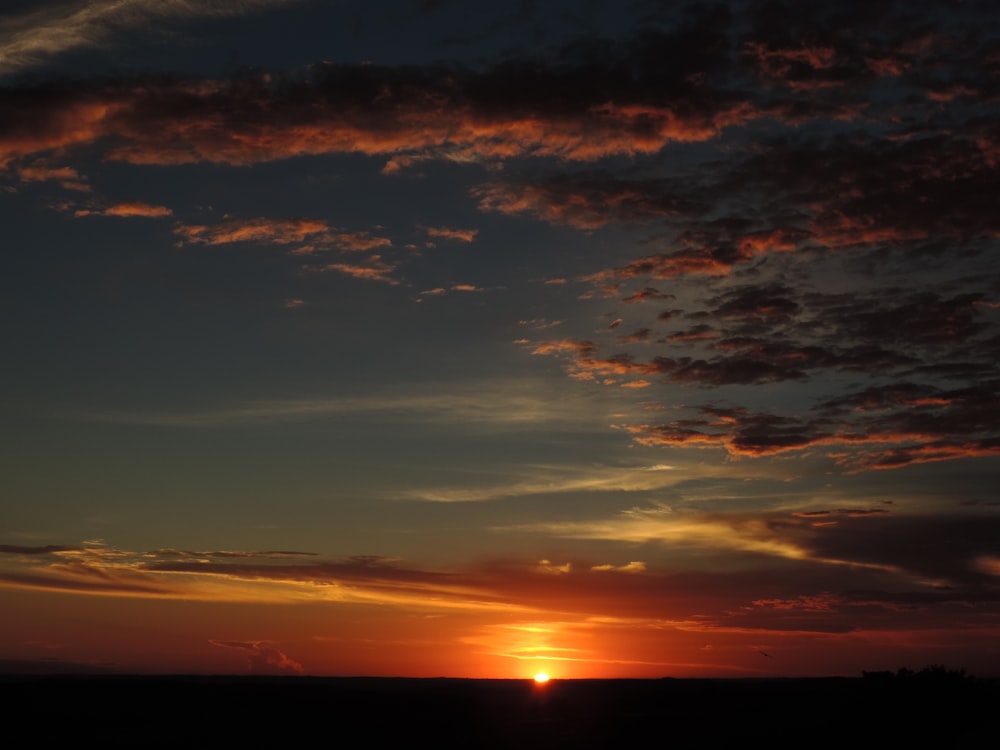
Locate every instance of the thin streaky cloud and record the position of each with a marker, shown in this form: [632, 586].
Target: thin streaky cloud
[511, 404]
[33, 38]
[554, 480]
[749, 534]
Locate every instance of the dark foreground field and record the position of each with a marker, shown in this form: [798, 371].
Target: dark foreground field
[192, 712]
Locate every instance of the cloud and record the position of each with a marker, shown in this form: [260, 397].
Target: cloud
[554, 480]
[263, 658]
[783, 322]
[632, 568]
[354, 241]
[280, 124]
[647, 293]
[885, 543]
[548, 568]
[513, 110]
[274, 231]
[374, 270]
[13, 549]
[67, 177]
[512, 404]
[33, 37]
[784, 584]
[877, 428]
[586, 201]
[730, 532]
[448, 233]
[251, 577]
[226, 554]
[304, 236]
[128, 209]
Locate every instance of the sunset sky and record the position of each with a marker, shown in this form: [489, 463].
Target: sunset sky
[610, 338]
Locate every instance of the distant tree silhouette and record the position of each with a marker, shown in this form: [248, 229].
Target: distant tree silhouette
[932, 675]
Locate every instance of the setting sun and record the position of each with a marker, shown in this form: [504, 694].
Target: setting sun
[541, 677]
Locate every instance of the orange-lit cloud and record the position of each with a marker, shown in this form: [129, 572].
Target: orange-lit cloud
[632, 567]
[67, 177]
[448, 233]
[374, 270]
[308, 235]
[278, 231]
[128, 209]
[355, 241]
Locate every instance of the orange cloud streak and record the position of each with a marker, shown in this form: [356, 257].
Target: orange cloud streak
[171, 122]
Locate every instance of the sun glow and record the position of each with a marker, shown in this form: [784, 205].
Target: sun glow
[541, 678]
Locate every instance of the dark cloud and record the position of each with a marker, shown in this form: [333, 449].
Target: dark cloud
[514, 109]
[774, 303]
[588, 201]
[942, 548]
[13, 549]
[225, 554]
[647, 293]
[681, 79]
[878, 428]
[836, 512]
[82, 580]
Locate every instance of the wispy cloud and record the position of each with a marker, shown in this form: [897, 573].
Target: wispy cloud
[493, 404]
[665, 526]
[859, 538]
[555, 480]
[34, 37]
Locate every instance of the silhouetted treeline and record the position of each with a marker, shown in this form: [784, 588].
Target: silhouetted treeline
[935, 674]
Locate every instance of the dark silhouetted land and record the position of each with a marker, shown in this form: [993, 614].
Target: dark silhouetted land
[191, 712]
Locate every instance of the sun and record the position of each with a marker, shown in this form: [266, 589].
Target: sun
[541, 678]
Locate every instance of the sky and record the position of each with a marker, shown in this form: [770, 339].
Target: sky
[430, 338]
